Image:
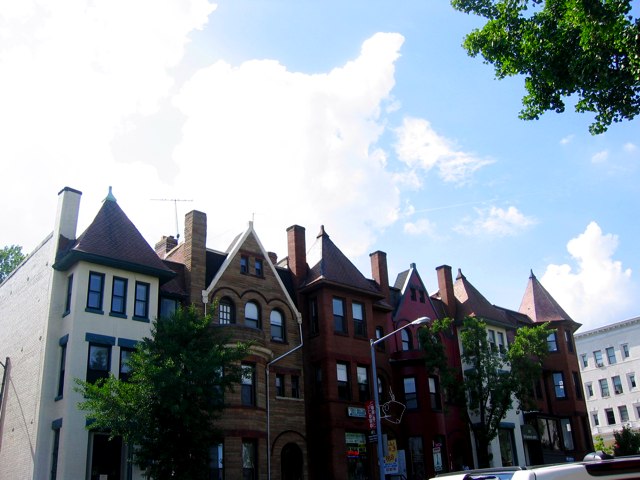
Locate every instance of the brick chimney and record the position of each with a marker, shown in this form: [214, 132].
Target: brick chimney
[195, 255]
[273, 256]
[66, 224]
[380, 272]
[165, 245]
[297, 252]
[445, 287]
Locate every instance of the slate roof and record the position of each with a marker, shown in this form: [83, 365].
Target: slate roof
[538, 303]
[471, 303]
[327, 263]
[113, 240]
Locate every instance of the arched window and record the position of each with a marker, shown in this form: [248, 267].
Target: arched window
[277, 326]
[252, 315]
[406, 340]
[226, 311]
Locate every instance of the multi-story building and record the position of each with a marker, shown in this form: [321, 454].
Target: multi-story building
[75, 308]
[609, 359]
[251, 298]
[560, 420]
[435, 435]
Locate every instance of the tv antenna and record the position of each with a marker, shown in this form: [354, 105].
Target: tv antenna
[175, 207]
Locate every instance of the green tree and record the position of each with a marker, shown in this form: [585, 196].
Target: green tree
[493, 378]
[627, 441]
[169, 406]
[10, 258]
[586, 48]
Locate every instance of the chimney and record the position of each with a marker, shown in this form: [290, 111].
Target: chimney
[445, 287]
[165, 245]
[195, 255]
[66, 218]
[380, 272]
[297, 252]
[273, 257]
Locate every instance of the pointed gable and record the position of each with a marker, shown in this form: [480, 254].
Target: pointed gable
[327, 263]
[538, 303]
[471, 303]
[113, 240]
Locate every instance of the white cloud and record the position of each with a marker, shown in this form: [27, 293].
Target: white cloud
[630, 147]
[495, 221]
[599, 290]
[600, 157]
[567, 140]
[420, 227]
[419, 146]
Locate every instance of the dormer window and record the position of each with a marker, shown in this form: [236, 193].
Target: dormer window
[244, 264]
[259, 267]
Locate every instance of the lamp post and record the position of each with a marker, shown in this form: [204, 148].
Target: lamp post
[376, 398]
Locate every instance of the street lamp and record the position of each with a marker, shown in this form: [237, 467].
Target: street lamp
[376, 399]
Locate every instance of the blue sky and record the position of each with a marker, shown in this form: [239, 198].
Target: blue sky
[366, 117]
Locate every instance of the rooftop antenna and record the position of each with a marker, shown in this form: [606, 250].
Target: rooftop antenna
[175, 207]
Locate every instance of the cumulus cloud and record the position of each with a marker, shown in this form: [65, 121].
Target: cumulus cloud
[597, 289]
[496, 221]
[422, 226]
[630, 147]
[420, 147]
[567, 140]
[600, 157]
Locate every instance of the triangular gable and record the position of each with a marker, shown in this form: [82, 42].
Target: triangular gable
[231, 254]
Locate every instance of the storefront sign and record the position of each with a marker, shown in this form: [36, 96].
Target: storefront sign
[357, 412]
[391, 459]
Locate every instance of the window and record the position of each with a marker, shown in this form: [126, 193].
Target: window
[491, 336]
[124, 371]
[226, 311]
[405, 338]
[410, 393]
[96, 289]
[363, 383]
[611, 355]
[216, 462]
[63, 360]
[568, 340]
[413, 293]
[552, 342]
[280, 385]
[589, 388]
[576, 384]
[168, 306]
[421, 294]
[631, 379]
[258, 265]
[611, 417]
[617, 384]
[604, 387]
[295, 386]
[244, 264]
[313, 315]
[596, 420]
[585, 360]
[597, 356]
[359, 325]
[99, 362]
[342, 372]
[379, 335]
[119, 296]
[277, 326]
[567, 437]
[624, 348]
[624, 413]
[67, 304]
[549, 433]
[249, 460]
[252, 315]
[248, 393]
[56, 425]
[141, 305]
[434, 393]
[339, 324]
[501, 344]
[558, 383]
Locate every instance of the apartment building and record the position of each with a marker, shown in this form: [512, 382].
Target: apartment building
[609, 360]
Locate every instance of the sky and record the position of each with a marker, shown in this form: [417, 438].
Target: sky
[367, 117]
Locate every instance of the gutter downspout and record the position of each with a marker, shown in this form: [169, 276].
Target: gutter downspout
[5, 367]
[268, 397]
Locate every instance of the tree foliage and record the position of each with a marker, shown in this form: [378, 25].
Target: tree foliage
[587, 48]
[493, 378]
[627, 441]
[10, 258]
[169, 405]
